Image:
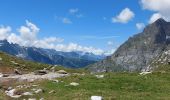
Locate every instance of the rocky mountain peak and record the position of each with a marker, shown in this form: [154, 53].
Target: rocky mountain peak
[160, 21]
[138, 51]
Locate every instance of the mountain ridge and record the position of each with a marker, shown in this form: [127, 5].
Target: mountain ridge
[50, 56]
[138, 51]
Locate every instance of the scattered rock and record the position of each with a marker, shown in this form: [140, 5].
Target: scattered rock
[34, 85]
[40, 72]
[13, 93]
[16, 71]
[9, 88]
[38, 91]
[96, 98]
[52, 69]
[5, 75]
[74, 84]
[20, 86]
[31, 99]
[52, 91]
[41, 98]
[100, 76]
[144, 73]
[62, 72]
[1, 75]
[27, 93]
[56, 81]
[13, 62]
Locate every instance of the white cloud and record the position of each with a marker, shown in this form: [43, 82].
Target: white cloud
[66, 20]
[28, 38]
[28, 32]
[76, 47]
[125, 16]
[161, 7]
[110, 43]
[73, 10]
[140, 26]
[110, 52]
[4, 32]
[154, 17]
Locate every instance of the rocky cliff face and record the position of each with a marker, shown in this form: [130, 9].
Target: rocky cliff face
[139, 51]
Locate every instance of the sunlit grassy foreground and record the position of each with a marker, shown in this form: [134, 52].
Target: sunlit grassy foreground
[114, 86]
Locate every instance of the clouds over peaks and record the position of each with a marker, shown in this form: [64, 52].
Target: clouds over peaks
[161, 7]
[28, 37]
[124, 16]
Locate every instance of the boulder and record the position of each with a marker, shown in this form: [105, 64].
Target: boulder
[5, 75]
[27, 93]
[38, 91]
[96, 98]
[40, 72]
[100, 76]
[62, 72]
[74, 84]
[16, 71]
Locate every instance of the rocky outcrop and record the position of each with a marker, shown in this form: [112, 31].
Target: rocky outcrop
[138, 51]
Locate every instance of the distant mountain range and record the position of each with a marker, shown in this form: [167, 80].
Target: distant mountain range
[142, 52]
[49, 56]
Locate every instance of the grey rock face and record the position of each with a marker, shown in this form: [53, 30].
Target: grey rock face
[138, 51]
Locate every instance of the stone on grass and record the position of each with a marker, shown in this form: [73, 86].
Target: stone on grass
[13, 93]
[16, 71]
[145, 73]
[27, 93]
[38, 91]
[56, 81]
[31, 99]
[1, 75]
[96, 98]
[52, 91]
[40, 72]
[100, 76]
[74, 84]
[62, 72]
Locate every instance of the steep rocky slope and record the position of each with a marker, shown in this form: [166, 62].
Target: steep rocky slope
[139, 51]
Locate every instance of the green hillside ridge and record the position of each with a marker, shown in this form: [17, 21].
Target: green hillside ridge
[11, 62]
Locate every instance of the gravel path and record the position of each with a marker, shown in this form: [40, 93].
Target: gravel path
[32, 77]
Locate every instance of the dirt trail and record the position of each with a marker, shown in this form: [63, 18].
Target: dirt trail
[32, 77]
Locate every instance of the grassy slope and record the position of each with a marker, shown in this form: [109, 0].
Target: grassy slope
[27, 66]
[114, 86]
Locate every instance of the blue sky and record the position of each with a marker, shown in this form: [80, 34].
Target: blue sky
[84, 22]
